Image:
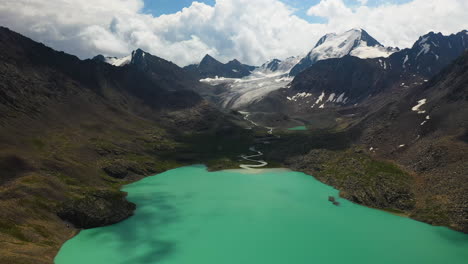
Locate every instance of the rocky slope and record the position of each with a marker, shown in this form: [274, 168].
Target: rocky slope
[72, 132]
[431, 122]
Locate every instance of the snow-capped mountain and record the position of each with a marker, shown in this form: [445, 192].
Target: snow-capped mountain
[280, 66]
[354, 42]
[348, 81]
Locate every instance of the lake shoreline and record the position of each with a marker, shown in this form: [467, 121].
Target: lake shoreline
[297, 182]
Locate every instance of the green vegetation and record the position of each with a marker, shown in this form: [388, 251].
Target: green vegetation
[38, 143]
[330, 157]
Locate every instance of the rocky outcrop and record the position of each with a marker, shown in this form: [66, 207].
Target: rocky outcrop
[116, 170]
[96, 209]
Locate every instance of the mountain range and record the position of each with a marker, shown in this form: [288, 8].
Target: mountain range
[351, 80]
[387, 127]
[209, 67]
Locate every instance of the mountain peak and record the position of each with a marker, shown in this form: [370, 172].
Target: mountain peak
[355, 42]
[234, 62]
[207, 58]
[279, 66]
[209, 67]
[357, 30]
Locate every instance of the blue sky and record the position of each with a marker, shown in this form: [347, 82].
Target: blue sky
[160, 7]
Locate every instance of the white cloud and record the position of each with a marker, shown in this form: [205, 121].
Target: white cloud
[396, 24]
[330, 9]
[251, 31]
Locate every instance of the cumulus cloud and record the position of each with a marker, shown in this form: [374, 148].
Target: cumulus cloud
[251, 31]
[396, 24]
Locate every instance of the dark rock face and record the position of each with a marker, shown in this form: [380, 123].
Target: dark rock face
[272, 65]
[209, 67]
[353, 76]
[96, 209]
[166, 74]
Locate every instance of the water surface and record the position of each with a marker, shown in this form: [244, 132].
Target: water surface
[191, 216]
[298, 128]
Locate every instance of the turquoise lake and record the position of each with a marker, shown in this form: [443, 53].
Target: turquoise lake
[298, 128]
[191, 216]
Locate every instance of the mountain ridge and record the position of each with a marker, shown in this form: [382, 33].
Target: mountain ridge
[355, 42]
[209, 67]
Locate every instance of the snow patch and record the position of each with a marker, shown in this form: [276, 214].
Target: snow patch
[299, 96]
[383, 64]
[416, 107]
[425, 48]
[320, 98]
[340, 98]
[217, 80]
[366, 52]
[119, 62]
[405, 61]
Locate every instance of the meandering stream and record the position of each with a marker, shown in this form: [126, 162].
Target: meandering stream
[261, 163]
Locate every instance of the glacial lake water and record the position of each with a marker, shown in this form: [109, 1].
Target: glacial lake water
[298, 128]
[191, 216]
